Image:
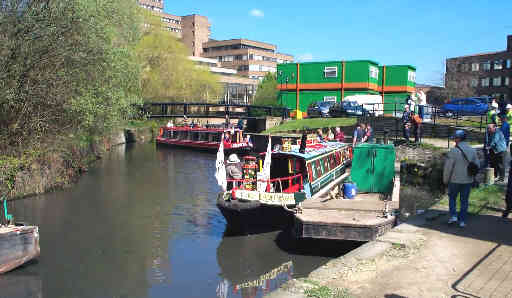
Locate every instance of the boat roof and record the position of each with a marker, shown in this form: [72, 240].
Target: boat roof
[315, 150]
[207, 129]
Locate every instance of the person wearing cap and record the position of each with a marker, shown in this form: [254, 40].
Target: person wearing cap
[508, 112]
[492, 114]
[496, 147]
[233, 168]
[456, 176]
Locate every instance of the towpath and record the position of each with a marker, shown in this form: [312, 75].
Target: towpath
[424, 257]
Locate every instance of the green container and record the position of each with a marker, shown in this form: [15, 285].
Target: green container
[373, 168]
[399, 76]
[289, 99]
[394, 102]
[313, 73]
[362, 74]
[287, 73]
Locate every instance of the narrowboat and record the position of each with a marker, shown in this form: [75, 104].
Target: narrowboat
[204, 138]
[18, 243]
[260, 202]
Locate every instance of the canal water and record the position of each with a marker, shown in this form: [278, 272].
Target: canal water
[143, 223]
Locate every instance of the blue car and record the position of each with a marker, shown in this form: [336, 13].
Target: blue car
[465, 107]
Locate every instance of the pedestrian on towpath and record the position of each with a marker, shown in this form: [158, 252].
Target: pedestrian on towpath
[458, 178]
[496, 146]
[508, 195]
[358, 134]
[406, 123]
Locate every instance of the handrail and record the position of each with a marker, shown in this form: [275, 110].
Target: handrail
[288, 179]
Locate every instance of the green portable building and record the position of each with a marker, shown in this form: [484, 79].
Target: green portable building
[373, 168]
[397, 78]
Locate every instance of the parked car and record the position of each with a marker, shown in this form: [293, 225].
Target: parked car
[464, 107]
[320, 109]
[347, 108]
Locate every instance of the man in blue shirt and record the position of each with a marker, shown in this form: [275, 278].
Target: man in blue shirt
[496, 146]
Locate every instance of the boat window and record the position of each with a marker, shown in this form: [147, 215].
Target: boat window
[194, 135]
[325, 164]
[338, 157]
[318, 169]
[332, 160]
[310, 172]
[216, 137]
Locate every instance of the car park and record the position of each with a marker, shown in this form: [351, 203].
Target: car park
[465, 107]
[320, 109]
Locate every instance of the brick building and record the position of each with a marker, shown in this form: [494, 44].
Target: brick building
[484, 74]
[250, 58]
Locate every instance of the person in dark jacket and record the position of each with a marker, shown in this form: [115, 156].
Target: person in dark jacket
[406, 123]
[508, 195]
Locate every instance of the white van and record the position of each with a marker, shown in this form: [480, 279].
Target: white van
[370, 103]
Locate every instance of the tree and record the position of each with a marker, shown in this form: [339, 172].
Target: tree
[67, 67]
[167, 73]
[267, 92]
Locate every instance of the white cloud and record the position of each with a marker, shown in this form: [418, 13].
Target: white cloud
[257, 13]
[305, 57]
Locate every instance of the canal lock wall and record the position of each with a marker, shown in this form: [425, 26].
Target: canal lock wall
[58, 168]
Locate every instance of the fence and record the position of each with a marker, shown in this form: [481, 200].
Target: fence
[204, 110]
[386, 120]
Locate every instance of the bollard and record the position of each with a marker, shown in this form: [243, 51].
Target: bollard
[489, 176]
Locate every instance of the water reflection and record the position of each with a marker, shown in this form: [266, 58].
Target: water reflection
[143, 223]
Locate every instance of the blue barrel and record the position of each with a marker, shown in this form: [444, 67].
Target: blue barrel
[349, 190]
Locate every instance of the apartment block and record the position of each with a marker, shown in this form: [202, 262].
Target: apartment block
[483, 74]
[193, 30]
[250, 58]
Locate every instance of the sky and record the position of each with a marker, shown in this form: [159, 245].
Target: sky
[419, 33]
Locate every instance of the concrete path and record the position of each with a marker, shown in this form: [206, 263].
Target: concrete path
[424, 257]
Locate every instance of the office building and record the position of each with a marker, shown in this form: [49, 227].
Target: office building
[484, 74]
[252, 59]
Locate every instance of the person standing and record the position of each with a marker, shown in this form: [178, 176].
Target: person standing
[406, 123]
[509, 112]
[234, 170]
[505, 129]
[492, 115]
[358, 134]
[508, 195]
[416, 121]
[458, 178]
[496, 148]
[368, 136]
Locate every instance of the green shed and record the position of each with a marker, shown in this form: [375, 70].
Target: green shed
[373, 168]
[398, 78]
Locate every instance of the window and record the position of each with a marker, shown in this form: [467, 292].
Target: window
[475, 66]
[227, 59]
[509, 63]
[485, 82]
[507, 81]
[330, 98]
[331, 72]
[374, 72]
[411, 76]
[496, 81]
[464, 67]
[498, 64]
[474, 83]
[486, 65]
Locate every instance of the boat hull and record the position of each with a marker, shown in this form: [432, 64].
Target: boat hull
[18, 245]
[207, 147]
[253, 216]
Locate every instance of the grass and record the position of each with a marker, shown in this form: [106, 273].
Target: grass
[320, 291]
[294, 125]
[482, 199]
[470, 122]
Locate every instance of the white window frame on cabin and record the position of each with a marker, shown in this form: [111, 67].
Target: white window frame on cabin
[330, 98]
[329, 70]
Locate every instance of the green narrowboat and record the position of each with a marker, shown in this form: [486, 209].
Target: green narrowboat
[294, 177]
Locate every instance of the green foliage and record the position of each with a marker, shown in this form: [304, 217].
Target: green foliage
[326, 292]
[67, 66]
[266, 94]
[294, 125]
[167, 73]
[482, 199]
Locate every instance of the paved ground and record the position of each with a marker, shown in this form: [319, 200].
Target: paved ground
[425, 257]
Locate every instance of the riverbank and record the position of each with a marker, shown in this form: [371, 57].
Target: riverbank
[423, 257]
[40, 170]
